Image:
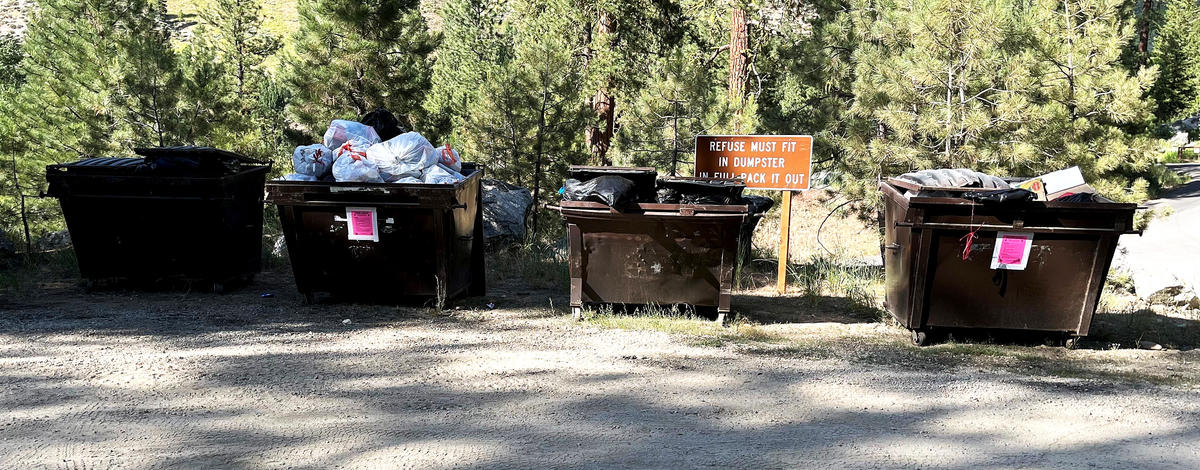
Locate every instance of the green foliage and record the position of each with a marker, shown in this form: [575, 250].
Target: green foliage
[474, 45]
[11, 54]
[525, 121]
[352, 57]
[1177, 55]
[681, 100]
[1005, 88]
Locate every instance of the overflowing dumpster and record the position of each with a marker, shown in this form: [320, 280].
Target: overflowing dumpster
[962, 257]
[191, 214]
[384, 242]
[653, 249]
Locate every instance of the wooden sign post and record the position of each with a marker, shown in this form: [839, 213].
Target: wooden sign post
[773, 162]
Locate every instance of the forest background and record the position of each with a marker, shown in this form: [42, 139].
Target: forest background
[528, 87]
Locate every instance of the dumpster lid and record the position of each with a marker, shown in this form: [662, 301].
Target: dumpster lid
[103, 162]
[191, 151]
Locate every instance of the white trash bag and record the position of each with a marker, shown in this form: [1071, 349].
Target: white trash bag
[352, 165]
[440, 174]
[340, 132]
[299, 177]
[449, 157]
[407, 154]
[313, 160]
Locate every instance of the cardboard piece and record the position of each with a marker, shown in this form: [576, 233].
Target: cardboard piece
[1056, 184]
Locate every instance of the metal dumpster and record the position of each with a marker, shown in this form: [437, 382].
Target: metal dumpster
[428, 238]
[930, 286]
[662, 254]
[179, 214]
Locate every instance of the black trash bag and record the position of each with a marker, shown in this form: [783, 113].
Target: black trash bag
[613, 191]
[1000, 196]
[758, 204]
[384, 123]
[1084, 197]
[702, 192]
[667, 196]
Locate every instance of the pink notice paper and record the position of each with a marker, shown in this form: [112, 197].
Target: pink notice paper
[360, 221]
[1012, 249]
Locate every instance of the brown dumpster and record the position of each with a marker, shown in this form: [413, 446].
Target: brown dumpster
[931, 287]
[428, 240]
[665, 254]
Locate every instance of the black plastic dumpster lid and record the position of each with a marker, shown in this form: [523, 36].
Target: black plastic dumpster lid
[103, 162]
[152, 153]
[195, 161]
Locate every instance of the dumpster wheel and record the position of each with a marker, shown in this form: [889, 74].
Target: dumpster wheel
[1071, 342]
[921, 337]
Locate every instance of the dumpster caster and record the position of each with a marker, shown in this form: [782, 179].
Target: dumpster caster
[720, 318]
[576, 313]
[218, 288]
[1071, 342]
[310, 298]
[920, 337]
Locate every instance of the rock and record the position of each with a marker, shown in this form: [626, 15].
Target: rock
[1151, 345]
[1186, 300]
[505, 209]
[1165, 295]
[54, 241]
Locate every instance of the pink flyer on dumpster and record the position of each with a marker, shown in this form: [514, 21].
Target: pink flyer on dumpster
[362, 223]
[1012, 250]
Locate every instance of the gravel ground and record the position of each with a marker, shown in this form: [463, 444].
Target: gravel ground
[174, 380]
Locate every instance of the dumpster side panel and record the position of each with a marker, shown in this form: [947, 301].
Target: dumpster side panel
[152, 229]
[1043, 296]
[898, 261]
[648, 260]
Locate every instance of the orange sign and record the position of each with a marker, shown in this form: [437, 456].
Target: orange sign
[781, 162]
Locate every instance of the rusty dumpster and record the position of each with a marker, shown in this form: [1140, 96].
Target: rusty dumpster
[931, 287]
[421, 241]
[664, 254]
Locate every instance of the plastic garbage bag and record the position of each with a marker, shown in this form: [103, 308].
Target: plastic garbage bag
[684, 190]
[353, 166]
[384, 122]
[613, 191]
[313, 160]
[758, 204]
[340, 132]
[1000, 196]
[440, 174]
[449, 157]
[954, 178]
[407, 154]
[298, 177]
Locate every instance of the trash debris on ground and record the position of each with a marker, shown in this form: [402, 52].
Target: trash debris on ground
[267, 295]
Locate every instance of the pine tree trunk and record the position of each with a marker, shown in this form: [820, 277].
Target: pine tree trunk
[537, 166]
[1144, 31]
[599, 136]
[738, 43]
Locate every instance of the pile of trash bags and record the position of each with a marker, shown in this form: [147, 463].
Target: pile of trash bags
[620, 188]
[376, 150]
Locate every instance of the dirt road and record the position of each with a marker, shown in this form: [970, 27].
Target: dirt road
[173, 380]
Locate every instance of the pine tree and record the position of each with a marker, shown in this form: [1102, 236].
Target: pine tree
[352, 57]
[935, 86]
[1086, 109]
[235, 34]
[473, 46]
[64, 105]
[681, 100]
[1176, 53]
[150, 80]
[526, 123]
